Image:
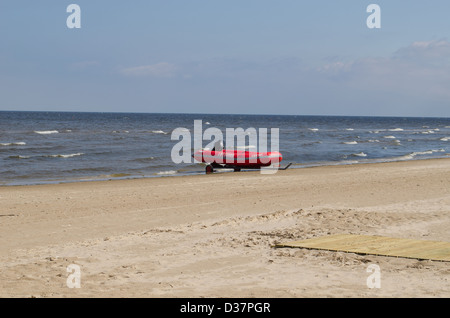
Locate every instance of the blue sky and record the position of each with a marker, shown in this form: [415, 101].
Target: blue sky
[211, 56]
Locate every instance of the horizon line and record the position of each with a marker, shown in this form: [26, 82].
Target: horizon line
[230, 114]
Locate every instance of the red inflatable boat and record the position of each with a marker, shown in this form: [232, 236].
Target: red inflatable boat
[237, 159]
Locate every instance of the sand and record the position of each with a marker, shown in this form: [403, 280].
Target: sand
[213, 235]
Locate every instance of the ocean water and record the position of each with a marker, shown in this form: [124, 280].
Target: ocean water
[49, 147]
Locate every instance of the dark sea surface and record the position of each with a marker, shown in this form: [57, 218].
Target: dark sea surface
[49, 147]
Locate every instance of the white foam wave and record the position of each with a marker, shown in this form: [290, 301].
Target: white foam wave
[396, 129]
[428, 152]
[350, 162]
[445, 139]
[19, 157]
[389, 137]
[349, 129]
[20, 143]
[313, 129]
[168, 172]
[414, 154]
[405, 157]
[46, 132]
[360, 154]
[350, 142]
[418, 153]
[66, 156]
[159, 132]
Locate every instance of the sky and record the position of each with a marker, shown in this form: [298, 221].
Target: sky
[289, 57]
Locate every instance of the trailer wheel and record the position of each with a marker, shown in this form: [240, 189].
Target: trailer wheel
[209, 169]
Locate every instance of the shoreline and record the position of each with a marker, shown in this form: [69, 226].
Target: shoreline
[212, 235]
[201, 172]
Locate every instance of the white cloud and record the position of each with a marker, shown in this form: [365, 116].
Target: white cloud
[162, 69]
[421, 69]
[427, 52]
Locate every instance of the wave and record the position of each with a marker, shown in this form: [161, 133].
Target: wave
[396, 129]
[168, 172]
[159, 132]
[20, 143]
[46, 132]
[405, 157]
[412, 155]
[350, 142]
[418, 153]
[65, 156]
[314, 129]
[349, 129]
[428, 152]
[47, 156]
[389, 137]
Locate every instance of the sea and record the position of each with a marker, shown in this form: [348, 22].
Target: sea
[58, 147]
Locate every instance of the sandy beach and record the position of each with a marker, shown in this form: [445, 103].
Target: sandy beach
[213, 235]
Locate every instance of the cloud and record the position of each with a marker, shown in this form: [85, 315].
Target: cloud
[412, 80]
[430, 52]
[421, 69]
[162, 69]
